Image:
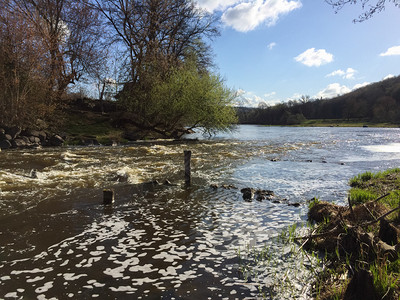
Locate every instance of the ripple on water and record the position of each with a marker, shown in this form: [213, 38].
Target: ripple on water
[175, 242]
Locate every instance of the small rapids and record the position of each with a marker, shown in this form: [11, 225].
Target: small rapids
[173, 241]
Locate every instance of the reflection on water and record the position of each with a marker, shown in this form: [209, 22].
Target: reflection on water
[57, 240]
[389, 148]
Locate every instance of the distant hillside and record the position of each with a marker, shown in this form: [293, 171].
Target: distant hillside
[378, 102]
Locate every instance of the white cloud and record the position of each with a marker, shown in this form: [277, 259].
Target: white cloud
[271, 45]
[268, 95]
[388, 76]
[314, 58]
[246, 16]
[348, 74]
[213, 5]
[249, 99]
[391, 51]
[360, 85]
[333, 90]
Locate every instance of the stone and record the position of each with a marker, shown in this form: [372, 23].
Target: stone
[13, 131]
[34, 139]
[56, 141]
[264, 194]
[5, 144]
[18, 143]
[42, 136]
[31, 132]
[33, 174]
[35, 146]
[2, 131]
[248, 193]
[229, 187]
[26, 139]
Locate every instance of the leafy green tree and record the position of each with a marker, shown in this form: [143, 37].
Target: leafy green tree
[190, 99]
[168, 84]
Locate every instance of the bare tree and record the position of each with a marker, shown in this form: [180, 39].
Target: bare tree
[371, 8]
[70, 32]
[158, 30]
[157, 36]
[22, 70]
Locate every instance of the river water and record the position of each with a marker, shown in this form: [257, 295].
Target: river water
[58, 241]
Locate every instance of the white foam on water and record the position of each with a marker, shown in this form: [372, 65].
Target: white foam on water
[13, 295]
[43, 289]
[72, 276]
[37, 278]
[36, 270]
[128, 289]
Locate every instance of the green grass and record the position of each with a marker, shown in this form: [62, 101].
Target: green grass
[313, 202]
[369, 186]
[83, 125]
[344, 123]
[358, 196]
[386, 277]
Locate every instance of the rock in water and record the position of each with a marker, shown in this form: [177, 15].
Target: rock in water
[248, 193]
[56, 140]
[5, 144]
[33, 174]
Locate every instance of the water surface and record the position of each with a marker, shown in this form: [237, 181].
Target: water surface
[173, 242]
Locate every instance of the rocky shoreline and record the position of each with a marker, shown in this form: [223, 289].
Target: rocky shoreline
[15, 137]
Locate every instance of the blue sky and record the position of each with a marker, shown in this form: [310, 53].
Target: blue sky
[275, 50]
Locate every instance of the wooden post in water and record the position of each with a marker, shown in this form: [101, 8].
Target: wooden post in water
[108, 197]
[188, 155]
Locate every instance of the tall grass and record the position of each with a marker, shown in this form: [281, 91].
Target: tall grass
[385, 280]
[364, 177]
[358, 196]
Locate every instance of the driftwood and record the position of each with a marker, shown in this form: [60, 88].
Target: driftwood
[380, 218]
[379, 246]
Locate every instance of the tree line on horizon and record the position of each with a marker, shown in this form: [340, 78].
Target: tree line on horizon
[159, 50]
[378, 102]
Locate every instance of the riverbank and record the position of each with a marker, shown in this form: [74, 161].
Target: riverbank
[83, 122]
[360, 242]
[344, 123]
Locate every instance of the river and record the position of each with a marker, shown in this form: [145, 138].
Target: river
[58, 241]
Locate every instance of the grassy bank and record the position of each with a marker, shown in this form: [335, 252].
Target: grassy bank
[344, 123]
[82, 126]
[359, 243]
